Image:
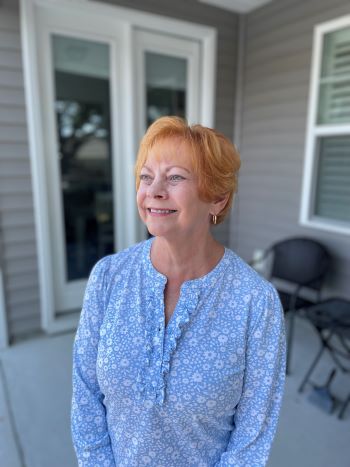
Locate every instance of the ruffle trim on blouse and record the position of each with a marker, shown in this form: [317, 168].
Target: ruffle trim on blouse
[184, 309]
[161, 342]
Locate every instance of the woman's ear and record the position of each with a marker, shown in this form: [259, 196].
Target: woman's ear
[219, 204]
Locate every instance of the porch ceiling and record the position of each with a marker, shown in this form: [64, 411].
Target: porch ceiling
[238, 6]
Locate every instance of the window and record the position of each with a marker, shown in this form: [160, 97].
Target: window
[326, 186]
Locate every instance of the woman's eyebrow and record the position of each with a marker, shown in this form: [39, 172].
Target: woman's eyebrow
[168, 168]
[177, 167]
[147, 168]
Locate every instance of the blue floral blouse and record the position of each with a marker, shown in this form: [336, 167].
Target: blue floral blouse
[205, 390]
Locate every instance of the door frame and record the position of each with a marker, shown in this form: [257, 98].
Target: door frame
[51, 321]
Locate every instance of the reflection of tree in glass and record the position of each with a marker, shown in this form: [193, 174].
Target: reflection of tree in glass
[77, 123]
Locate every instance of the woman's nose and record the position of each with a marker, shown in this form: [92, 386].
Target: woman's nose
[158, 189]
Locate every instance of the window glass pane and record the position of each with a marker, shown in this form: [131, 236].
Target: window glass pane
[81, 73]
[334, 91]
[333, 182]
[166, 81]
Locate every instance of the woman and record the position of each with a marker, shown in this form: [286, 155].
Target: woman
[179, 358]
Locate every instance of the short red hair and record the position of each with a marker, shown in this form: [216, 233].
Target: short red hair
[215, 159]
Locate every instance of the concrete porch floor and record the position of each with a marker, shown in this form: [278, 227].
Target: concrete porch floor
[35, 392]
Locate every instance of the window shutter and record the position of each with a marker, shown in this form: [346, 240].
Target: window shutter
[334, 92]
[333, 184]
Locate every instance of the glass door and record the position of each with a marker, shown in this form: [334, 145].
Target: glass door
[82, 164]
[168, 77]
[79, 75]
[82, 107]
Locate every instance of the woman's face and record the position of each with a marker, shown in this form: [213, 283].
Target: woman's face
[167, 197]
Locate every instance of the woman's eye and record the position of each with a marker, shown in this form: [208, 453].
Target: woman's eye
[176, 178]
[145, 178]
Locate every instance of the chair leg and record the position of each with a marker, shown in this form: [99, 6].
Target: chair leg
[290, 340]
[311, 369]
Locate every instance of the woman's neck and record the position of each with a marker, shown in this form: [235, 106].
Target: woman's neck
[183, 261]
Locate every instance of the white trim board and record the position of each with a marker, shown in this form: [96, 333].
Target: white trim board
[127, 217]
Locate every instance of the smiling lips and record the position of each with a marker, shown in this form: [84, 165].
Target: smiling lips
[160, 212]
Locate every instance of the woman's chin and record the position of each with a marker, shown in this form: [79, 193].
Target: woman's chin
[159, 229]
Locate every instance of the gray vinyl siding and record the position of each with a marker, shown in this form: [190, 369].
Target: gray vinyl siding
[17, 231]
[226, 24]
[278, 48]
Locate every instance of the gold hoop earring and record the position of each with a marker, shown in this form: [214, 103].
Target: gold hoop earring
[215, 218]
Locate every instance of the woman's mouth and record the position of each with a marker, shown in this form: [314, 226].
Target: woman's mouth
[160, 212]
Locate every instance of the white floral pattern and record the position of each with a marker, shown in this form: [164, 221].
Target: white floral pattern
[203, 391]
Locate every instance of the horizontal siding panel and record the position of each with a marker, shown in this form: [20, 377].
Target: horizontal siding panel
[274, 111]
[11, 96]
[272, 8]
[276, 86]
[276, 218]
[11, 78]
[271, 186]
[20, 266]
[11, 6]
[25, 310]
[268, 140]
[26, 325]
[275, 96]
[22, 281]
[10, 59]
[10, 40]
[13, 133]
[251, 149]
[15, 202]
[18, 218]
[15, 236]
[15, 168]
[266, 19]
[16, 186]
[25, 251]
[284, 167]
[9, 21]
[276, 80]
[10, 115]
[279, 49]
[286, 30]
[185, 10]
[289, 63]
[282, 124]
[274, 208]
[14, 151]
[22, 297]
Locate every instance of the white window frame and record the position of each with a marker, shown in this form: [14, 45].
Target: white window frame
[314, 131]
[51, 321]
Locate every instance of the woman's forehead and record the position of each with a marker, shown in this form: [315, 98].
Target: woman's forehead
[172, 150]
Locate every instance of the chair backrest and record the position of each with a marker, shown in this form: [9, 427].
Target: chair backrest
[302, 261]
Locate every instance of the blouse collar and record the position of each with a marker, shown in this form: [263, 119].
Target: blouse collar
[159, 280]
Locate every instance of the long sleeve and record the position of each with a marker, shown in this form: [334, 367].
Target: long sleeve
[258, 409]
[88, 416]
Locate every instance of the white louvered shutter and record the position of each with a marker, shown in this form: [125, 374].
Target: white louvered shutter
[332, 194]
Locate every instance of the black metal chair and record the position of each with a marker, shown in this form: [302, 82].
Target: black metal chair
[331, 319]
[302, 264]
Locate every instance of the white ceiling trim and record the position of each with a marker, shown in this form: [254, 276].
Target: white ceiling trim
[237, 6]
